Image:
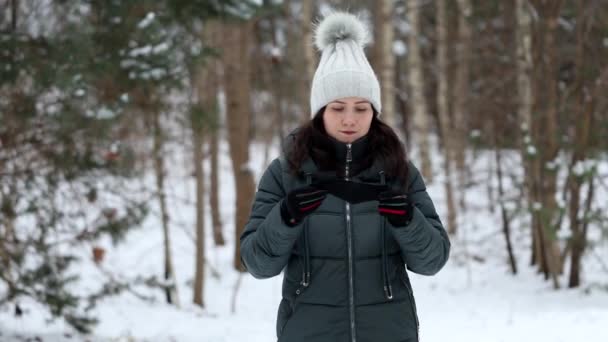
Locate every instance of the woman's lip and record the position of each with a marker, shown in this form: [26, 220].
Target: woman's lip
[348, 132]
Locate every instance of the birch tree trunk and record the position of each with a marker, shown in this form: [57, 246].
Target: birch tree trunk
[421, 129]
[237, 81]
[443, 110]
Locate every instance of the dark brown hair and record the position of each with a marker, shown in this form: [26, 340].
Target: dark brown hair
[311, 141]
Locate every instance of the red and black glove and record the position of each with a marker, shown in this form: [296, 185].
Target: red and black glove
[301, 202]
[396, 207]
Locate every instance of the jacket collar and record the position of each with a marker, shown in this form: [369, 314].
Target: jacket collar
[359, 149]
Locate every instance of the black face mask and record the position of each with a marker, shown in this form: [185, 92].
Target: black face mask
[352, 192]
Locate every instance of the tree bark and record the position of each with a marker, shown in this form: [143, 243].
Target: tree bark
[583, 120]
[524, 65]
[208, 94]
[214, 189]
[14, 13]
[443, 110]
[461, 95]
[545, 134]
[237, 81]
[386, 59]
[199, 271]
[421, 129]
[309, 56]
[506, 223]
[159, 170]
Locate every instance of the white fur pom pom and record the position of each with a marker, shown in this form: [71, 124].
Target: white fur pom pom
[339, 26]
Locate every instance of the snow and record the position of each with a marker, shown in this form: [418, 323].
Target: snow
[101, 113]
[105, 113]
[79, 92]
[399, 48]
[160, 48]
[582, 167]
[404, 27]
[142, 51]
[146, 21]
[474, 298]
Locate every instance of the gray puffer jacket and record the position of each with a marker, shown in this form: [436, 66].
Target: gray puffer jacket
[345, 277]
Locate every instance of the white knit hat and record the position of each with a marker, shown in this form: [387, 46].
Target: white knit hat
[343, 70]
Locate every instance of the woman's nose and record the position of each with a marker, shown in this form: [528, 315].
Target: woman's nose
[349, 119]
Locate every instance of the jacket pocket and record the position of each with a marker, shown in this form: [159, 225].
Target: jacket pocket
[406, 281]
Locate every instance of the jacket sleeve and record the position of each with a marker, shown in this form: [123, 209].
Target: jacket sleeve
[424, 243]
[266, 242]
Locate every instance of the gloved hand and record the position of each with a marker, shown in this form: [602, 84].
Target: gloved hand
[396, 207]
[301, 202]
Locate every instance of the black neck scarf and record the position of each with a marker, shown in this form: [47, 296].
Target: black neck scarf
[333, 180]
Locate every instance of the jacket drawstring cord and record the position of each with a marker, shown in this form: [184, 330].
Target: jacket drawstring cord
[306, 271]
[388, 289]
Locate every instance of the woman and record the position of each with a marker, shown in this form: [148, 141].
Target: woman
[342, 211]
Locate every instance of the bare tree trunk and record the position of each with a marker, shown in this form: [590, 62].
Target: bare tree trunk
[309, 55]
[549, 178]
[7, 235]
[14, 12]
[199, 272]
[214, 203]
[277, 82]
[208, 94]
[524, 62]
[506, 223]
[545, 135]
[159, 170]
[461, 95]
[583, 121]
[237, 80]
[579, 242]
[524, 65]
[386, 59]
[443, 110]
[421, 129]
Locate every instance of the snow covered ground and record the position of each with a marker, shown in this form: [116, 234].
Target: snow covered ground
[471, 299]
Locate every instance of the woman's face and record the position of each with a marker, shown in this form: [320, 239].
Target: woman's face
[348, 119]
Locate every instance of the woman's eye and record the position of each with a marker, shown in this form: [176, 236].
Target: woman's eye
[337, 109]
[361, 109]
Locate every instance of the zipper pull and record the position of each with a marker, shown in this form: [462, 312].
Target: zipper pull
[349, 153]
[349, 158]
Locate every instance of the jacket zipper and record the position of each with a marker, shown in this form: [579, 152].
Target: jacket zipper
[349, 238]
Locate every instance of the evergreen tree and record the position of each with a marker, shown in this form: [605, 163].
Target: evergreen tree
[76, 77]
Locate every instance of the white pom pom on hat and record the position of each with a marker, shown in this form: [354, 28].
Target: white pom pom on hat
[340, 26]
[343, 70]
